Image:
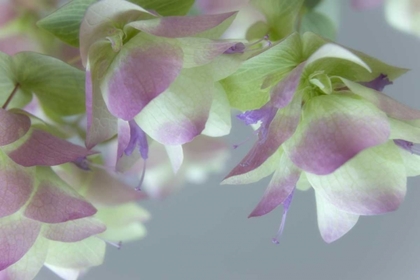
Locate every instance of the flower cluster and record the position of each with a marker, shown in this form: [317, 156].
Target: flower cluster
[149, 96]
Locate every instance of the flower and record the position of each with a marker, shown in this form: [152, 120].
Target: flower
[326, 125]
[175, 98]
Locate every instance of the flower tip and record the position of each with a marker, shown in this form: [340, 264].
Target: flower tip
[275, 241]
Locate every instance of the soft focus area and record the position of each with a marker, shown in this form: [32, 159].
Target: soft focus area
[203, 232]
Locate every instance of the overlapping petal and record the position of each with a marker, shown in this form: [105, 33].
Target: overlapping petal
[333, 130]
[373, 182]
[13, 126]
[74, 230]
[280, 187]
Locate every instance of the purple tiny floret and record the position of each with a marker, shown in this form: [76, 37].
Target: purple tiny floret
[137, 138]
[378, 83]
[82, 163]
[286, 205]
[409, 146]
[237, 48]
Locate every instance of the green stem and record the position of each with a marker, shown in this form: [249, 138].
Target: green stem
[10, 96]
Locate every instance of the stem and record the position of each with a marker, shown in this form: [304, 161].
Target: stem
[10, 96]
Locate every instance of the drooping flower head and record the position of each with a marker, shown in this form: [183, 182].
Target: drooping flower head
[325, 122]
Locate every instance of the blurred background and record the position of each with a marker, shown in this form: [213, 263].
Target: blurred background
[202, 232]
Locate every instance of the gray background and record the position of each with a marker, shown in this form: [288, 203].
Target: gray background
[203, 231]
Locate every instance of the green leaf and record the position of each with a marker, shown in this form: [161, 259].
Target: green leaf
[166, 7]
[58, 86]
[7, 83]
[65, 22]
[319, 24]
[247, 89]
[281, 16]
[310, 4]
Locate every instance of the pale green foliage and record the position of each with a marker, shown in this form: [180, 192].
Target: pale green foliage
[166, 7]
[65, 22]
[318, 23]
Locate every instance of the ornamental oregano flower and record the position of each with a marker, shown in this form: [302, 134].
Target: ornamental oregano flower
[327, 124]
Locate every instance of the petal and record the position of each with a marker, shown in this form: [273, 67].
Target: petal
[390, 106]
[76, 255]
[280, 129]
[373, 182]
[101, 125]
[282, 93]
[334, 129]
[17, 235]
[379, 83]
[56, 202]
[180, 26]
[16, 185]
[219, 121]
[303, 183]
[65, 273]
[406, 130]
[30, 264]
[125, 162]
[280, 187]
[129, 86]
[262, 171]
[181, 113]
[335, 51]
[42, 148]
[200, 51]
[332, 222]
[176, 156]
[73, 231]
[12, 126]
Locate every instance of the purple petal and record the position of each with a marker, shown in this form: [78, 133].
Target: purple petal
[56, 202]
[280, 129]
[378, 83]
[286, 206]
[73, 231]
[43, 148]
[180, 26]
[131, 85]
[280, 187]
[334, 129]
[12, 126]
[265, 114]
[237, 48]
[406, 145]
[332, 222]
[137, 139]
[282, 93]
[15, 188]
[17, 235]
[371, 183]
[101, 125]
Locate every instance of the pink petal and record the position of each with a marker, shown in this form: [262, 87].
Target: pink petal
[55, 201]
[12, 126]
[280, 187]
[280, 129]
[371, 183]
[7, 11]
[180, 26]
[125, 162]
[42, 148]
[282, 93]
[131, 86]
[73, 231]
[334, 129]
[15, 187]
[332, 222]
[101, 125]
[17, 235]
[179, 114]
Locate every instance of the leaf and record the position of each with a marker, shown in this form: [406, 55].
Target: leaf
[65, 22]
[319, 24]
[281, 16]
[166, 7]
[58, 86]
